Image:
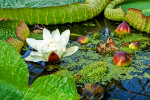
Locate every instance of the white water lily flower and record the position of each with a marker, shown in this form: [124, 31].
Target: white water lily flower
[51, 48]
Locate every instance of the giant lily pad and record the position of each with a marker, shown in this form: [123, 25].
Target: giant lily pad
[51, 11]
[14, 32]
[14, 80]
[36, 3]
[135, 12]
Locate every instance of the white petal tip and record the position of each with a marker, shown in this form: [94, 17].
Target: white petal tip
[71, 51]
[33, 59]
[46, 31]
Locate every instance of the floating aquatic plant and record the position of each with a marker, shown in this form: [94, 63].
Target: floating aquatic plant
[77, 63]
[51, 48]
[81, 58]
[92, 72]
[51, 11]
[127, 49]
[136, 69]
[134, 37]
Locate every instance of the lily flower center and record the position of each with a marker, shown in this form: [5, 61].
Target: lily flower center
[51, 45]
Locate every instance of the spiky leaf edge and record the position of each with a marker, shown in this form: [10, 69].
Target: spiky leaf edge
[131, 16]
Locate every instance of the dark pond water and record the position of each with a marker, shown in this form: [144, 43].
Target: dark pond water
[133, 89]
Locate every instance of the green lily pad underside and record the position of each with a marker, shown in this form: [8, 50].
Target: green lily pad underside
[143, 5]
[35, 3]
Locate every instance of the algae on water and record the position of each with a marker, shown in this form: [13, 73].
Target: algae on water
[81, 58]
[90, 67]
[93, 72]
[86, 64]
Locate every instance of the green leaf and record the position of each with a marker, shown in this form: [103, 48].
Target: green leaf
[137, 4]
[35, 3]
[135, 12]
[133, 38]
[13, 73]
[126, 49]
[146, 12]
[51, 11]
[54, 88]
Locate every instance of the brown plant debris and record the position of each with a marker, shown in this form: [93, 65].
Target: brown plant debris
[108, 46]
[91, 92]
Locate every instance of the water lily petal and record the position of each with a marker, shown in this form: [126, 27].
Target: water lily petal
[70, 51]
[46, 34]
[56, 35]
[60, 52]
[33, 53]
[65, 37]
[46, 51]
[35, 57]
[36, 44]
[52, 48]
[62, 43]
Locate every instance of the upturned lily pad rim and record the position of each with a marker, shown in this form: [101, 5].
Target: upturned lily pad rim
[133, 16]
[133, 4]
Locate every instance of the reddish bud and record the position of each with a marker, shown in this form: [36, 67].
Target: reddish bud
[134, 46]
[122, 58]
[123, 29]
[83, 40]
[53, 57]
